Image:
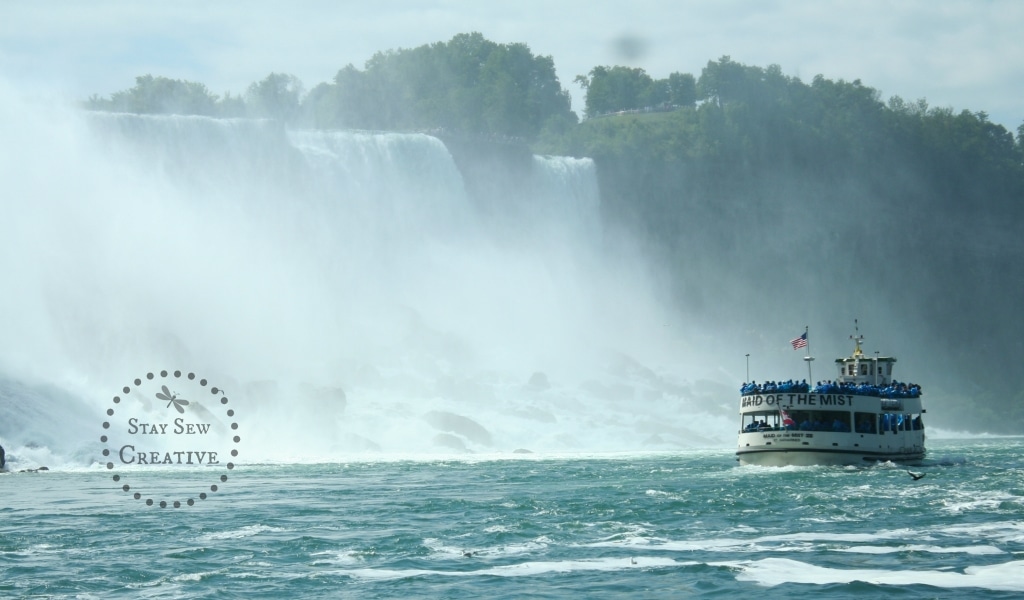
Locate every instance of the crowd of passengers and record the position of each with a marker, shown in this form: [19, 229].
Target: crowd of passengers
[889, 422]
[895, 389]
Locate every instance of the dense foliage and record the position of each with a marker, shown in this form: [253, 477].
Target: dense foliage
[159, 95]
[918, 206]
[620, 89]
[278, 97]
[468, 85]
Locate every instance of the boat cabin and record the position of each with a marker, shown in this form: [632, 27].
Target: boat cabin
[859, 369]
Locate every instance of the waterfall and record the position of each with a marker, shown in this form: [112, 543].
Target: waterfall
[344, 286]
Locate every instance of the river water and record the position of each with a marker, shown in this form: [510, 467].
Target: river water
[620, 525]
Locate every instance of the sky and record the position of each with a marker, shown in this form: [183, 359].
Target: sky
[959, 54]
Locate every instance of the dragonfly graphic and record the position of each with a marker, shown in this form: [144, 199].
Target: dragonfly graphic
[179, 403]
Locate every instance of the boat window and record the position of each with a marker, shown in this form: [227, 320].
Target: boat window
[760, 421]
[863, 369]
[894, 422]
[865, 422]
[822, 420]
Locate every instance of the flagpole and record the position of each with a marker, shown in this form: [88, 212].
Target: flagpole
[808, 358]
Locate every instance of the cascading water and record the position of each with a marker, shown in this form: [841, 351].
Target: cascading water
[343, 286]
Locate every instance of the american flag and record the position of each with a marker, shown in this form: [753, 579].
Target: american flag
[799, 342]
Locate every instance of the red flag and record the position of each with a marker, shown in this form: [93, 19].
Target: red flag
[787, 421]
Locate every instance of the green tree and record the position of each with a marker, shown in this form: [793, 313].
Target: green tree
[159, 95]
[613, 89]
[682, 89]
[231, 106]
[278, 96]
[468, 84]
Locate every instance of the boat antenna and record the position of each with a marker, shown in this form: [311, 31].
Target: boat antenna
[808, 358]
[857, 339]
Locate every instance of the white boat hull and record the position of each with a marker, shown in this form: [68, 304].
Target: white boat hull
[806, 458]
[780, 448]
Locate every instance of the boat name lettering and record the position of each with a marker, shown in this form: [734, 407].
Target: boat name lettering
[798, 400]
[820, 400]
[758, 400]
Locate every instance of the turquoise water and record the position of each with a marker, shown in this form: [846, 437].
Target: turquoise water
[666, 525]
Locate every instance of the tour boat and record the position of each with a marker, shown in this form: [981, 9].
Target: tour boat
[863, 416]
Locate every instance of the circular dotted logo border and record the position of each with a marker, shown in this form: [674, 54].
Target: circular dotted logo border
[214, 391]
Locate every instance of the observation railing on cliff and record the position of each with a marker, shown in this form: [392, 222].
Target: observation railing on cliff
[637, 111]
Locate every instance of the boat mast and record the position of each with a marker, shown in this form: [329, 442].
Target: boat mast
[858, 354]
[808, 358]
[857, 336]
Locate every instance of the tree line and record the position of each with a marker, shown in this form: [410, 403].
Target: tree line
[468, 85]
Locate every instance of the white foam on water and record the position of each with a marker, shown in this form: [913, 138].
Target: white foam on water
[964, 501]
[516, 549]
[242, 532]
[796, 542]
[194, 576]
[856, 543]
[1006, 532]
[526, 569]
[974, 550]
[770, 572]
[337, 557]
